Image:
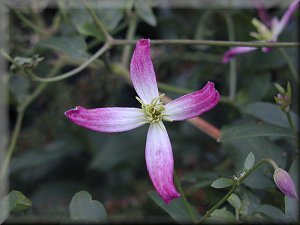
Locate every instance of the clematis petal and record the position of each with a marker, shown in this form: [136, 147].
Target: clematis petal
[235, 51]
[159, 160]
[275, 30]
[115, 119]
[194, 104]
[142, 72]
[279, 26]
[266, 49]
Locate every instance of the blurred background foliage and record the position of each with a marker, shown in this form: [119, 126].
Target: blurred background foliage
[54, 159]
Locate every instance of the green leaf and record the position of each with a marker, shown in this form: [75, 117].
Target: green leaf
[111, 154]
[291, 204]
[262, 61]
[250, 202]
[53, 197]
[249, 130]
[43, 160]
[280, 88]
[221, 216]
[83, 208]
[203, 31]
[14, 201]
[19, 87]
[176, 208]
[84, 23]
[73, 46]
[253, 88]
[110, 17]
[200, 179]
[270, 113]
[26, 63]
[145, 12]
[17, 201]
[249, 161]
[199, 175]
[261, 147]
[273, 213]
[89, 29]
[222, 183]
[235, 201]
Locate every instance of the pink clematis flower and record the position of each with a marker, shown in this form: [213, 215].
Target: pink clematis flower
[267, 30]
[159, 156]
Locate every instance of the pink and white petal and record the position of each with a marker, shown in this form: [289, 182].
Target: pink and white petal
[279, 26]
[110, 120]
[266, 49]
[160, 163]
[275, 29]
[194, 104]
[235, 51]
[142, 72]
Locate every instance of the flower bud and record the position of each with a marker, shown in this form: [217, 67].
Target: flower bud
[285, 183]
[283, 98]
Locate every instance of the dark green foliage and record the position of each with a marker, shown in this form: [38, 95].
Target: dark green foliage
[55, 159]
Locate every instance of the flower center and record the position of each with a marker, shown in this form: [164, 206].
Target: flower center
[263, 32]
[154, 112]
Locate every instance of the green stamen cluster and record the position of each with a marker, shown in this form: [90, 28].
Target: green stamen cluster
[263, 32]
[154, 112]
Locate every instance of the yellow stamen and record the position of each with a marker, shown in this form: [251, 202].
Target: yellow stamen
[154, 112]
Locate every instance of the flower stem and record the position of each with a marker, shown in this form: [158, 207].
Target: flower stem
[73, 72]
[290, 64]
[183, 197]
[209, 43]
[232, 65]
[219, 203]
[21, 111]
[113, 42]
[288, 115]
[236, 184]
[171, 88]
[29, 23]
[98, 22]
[129, 35]
[12, 145]
[206, 127]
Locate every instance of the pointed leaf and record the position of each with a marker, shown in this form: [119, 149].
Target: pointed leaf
[270, 113]
[261, 147]
[73, 46]
[109, 16]
[83, 208]
[280, 88]
[14, 201]
[90, 29]
[221, 216]
[249, 161]
[249, 203]
[145, 12]
[222, 183]
[17, 201]
[235, 201]
[273, 213]
[249, 130]
[176, 208]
